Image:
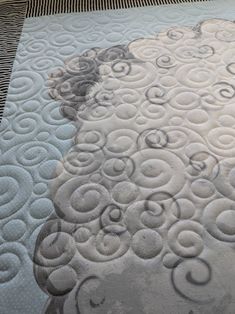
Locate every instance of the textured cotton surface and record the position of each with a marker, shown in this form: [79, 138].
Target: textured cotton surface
[117, 164]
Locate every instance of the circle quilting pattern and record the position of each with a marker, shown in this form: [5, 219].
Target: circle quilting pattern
[148, 171]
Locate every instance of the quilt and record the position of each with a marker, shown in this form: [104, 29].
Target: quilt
[117, 157]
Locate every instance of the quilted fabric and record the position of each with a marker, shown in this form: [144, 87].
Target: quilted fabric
[117, 164]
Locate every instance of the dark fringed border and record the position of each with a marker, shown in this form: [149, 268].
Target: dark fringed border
[12, 17]
[48, 7]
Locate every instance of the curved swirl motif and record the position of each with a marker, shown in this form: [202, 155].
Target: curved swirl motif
[26, 123]
[89, 294]
[156, 95]
[34, 153]
[147, 49]
[221, 141]
[141, 75]
[165, 61]
[149, 166]
[153, 138]
[182, 138]
[144, 214]
[223, 91]
[153, 111]
[10, 262]
[227, 170]
[189, 53]
[79, 162]
[121, 68]
[175, 34]
[163, 201]
[96, 113]
[105, 246]
[218, 219]
[185, 238]
[128, 96]
[192, 288]
[90, 141]
[55, 250]
[36, 48]
[15, 189]
[205, 165]
[80, 202]
[54, 257]
[118, 169]
[159, 169]
[43, 64]
[104, 98]
[184, 99]
[227, 35]
[230, 68]
[121, 142]
[195, 76]
[112, 219]
[25, 85]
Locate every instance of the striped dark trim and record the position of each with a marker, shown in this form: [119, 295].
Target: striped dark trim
[11, 22]
[47, 7]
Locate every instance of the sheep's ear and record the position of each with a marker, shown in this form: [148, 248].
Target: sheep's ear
[69, 112]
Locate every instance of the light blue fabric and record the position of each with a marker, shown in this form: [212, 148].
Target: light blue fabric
[34, 136]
